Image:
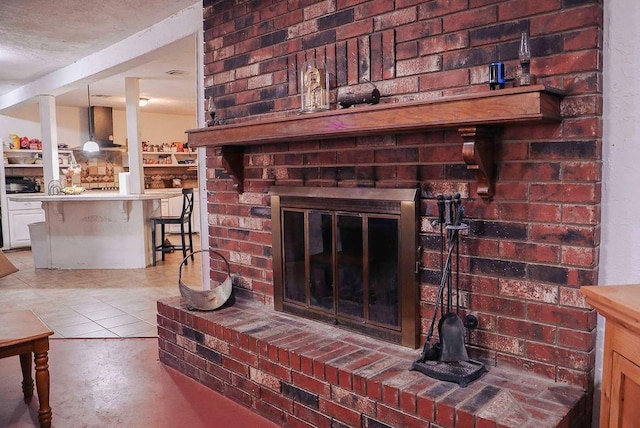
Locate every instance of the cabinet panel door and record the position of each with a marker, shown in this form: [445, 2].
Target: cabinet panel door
[625, 393]
[19, 222]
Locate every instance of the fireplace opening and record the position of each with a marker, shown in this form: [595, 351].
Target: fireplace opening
[348, 257]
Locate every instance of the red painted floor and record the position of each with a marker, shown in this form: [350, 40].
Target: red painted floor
[118, 383]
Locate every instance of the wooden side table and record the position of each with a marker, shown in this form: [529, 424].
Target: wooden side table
[620, 305]
[23, 333]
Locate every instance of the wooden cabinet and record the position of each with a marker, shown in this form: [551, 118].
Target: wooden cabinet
[620, 399]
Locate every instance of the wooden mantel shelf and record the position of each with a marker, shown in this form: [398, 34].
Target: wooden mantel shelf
[476, 116]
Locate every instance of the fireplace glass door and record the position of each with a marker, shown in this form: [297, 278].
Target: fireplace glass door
[352, 264]
[344, 267]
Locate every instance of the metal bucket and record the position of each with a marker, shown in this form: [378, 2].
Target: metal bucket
[206, 300]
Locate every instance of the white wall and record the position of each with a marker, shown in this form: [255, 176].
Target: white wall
[73, 125]
[154, 127]
[620, 240]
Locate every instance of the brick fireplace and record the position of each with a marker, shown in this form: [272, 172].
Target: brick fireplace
[525, 160]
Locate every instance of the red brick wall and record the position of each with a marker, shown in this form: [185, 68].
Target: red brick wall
[529, 249]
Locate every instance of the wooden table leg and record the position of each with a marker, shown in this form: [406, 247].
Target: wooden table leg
[27, 380]
[41, 348]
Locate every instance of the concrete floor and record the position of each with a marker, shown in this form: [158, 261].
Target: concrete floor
[118, 383]
[104, 355]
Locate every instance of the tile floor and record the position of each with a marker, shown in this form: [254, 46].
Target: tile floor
[95, 303]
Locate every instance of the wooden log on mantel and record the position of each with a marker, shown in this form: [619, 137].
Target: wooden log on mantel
[485, 110]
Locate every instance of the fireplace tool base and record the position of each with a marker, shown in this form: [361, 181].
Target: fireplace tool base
[460, 372]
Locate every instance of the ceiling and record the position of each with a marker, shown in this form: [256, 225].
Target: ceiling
[38, 37]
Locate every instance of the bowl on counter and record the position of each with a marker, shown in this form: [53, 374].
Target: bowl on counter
[26, 159]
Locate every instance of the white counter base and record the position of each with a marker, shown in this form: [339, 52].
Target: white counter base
[98, 230]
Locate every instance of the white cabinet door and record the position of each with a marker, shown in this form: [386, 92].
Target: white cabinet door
[19, 222]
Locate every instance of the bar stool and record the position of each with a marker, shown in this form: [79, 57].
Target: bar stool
[183, 219]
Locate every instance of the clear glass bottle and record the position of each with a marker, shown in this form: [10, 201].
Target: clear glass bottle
[525, 77]
[314, 87]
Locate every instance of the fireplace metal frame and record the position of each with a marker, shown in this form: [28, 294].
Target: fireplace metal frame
[402, 202]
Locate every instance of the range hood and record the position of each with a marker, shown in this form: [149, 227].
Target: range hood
[102, 125]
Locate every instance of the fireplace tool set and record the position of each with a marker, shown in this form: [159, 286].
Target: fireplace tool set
[447, 359]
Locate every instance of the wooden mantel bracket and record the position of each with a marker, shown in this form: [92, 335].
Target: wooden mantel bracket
[477, 152]
[233, 164]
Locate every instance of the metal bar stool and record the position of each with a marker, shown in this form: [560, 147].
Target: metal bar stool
[183, 219]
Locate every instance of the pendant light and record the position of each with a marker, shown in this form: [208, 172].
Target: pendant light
[90, 146]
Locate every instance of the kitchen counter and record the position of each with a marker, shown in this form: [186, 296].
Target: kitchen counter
[95, 229]
[96, 195]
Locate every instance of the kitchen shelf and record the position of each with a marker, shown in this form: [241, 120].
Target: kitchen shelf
[169, 165]
[477, 116]
[30, 165]
[172, 155]
[32, 151]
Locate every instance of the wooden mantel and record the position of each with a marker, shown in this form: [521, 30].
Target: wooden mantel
[477, 117]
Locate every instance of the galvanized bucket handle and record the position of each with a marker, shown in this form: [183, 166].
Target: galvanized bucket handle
[206, 300]
[184, 261]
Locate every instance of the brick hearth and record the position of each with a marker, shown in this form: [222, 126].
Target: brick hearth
[301, 373]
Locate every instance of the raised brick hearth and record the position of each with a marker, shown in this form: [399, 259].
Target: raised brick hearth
[301, 373]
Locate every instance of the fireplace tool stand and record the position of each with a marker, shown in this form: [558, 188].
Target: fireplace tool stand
[448, 359]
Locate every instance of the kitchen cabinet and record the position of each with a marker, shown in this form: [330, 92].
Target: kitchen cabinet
[16, 216]
[620, 305]
[173, 207]
[20, 216]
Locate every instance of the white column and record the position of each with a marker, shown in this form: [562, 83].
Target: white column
[49, 129]
[202, 161]
[132, 96]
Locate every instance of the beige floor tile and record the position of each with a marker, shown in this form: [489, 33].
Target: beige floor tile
[79, 329]
[109, 312]
[87, 309]
[118, 321]
[134, 329]
[66, 320]
[102, 334]
[75, 302]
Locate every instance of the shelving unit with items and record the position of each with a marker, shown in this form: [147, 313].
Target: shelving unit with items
[169, 165]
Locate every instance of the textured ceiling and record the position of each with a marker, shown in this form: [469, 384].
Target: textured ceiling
[41, 36]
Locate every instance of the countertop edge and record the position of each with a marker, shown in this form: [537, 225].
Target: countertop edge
[95, 196]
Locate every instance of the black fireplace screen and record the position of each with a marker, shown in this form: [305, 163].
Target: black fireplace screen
[345, 266]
